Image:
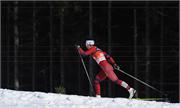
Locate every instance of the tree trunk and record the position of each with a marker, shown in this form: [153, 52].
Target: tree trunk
[135, 50]
[16, 46]
[148, 49]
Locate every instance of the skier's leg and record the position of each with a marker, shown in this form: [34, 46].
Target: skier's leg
[108, 69]
[99, 77]
[112, 76]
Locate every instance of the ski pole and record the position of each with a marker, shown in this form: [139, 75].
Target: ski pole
[86, 72]
[141, 81]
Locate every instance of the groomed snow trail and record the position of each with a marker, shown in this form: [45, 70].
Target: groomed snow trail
[23, 99]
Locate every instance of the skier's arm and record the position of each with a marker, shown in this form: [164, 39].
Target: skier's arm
[110, 59]
[88, 52]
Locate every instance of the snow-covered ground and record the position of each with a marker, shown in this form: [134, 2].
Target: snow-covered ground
[22, 99]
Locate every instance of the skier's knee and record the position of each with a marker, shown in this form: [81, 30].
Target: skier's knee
[118, 81]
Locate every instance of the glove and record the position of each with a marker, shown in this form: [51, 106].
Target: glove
[116, 66]
[77, 46]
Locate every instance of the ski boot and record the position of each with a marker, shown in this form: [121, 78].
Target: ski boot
[98, 96]
[131, 92]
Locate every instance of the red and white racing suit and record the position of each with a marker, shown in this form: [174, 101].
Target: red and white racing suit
[105, 62]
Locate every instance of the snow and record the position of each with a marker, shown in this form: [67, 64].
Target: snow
[24, 99]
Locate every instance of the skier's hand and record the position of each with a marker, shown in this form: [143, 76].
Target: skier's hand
[116, 66]
[77, 46]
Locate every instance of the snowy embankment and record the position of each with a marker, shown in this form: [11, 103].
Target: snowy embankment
[22, 99]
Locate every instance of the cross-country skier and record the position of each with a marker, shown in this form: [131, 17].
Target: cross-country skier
[105, 62]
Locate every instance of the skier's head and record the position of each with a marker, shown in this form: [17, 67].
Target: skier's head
[89, 43]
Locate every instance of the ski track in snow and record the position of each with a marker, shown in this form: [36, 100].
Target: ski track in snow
[23, 99]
